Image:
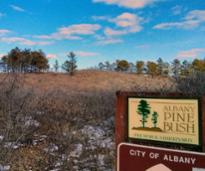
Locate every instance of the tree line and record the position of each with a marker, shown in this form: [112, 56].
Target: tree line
[26, 60]
[18, 60]
[175, 68]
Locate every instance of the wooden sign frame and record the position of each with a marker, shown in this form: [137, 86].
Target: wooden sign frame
[122, 120]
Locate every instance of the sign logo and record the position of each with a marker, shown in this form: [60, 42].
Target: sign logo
[144, 110]
[167, 120]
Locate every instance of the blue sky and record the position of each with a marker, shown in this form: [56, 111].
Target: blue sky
[105, 30]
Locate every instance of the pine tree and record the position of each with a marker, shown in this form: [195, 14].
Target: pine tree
[176, 68]
[70, 65]
[101, 66]
[160, 65]
[56, 66]
[143, 109]
[185, 68]
[154, 119]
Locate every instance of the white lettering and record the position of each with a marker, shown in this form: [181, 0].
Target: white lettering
[137, 153]
[179, 159]
[154, 155]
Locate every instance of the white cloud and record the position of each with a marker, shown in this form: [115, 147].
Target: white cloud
[129, 21]
[125, 23]
[72, 32]
[81, 29]
[198, 15]
[4, 31]
[192, 20]
[17, 8]
[86, 54]
[58, 36]
[111, 32]
[181, 25]
[20, 40]
[134, 4]
[24, 41]
[108, 41]
[51, 56]
[193, 53]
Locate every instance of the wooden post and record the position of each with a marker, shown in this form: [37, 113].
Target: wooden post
[203, 123]
[120, 118]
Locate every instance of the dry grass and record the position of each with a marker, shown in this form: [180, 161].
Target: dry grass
[90, 80]
[67, 109]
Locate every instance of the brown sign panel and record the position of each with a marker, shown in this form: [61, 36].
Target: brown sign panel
[133, 157]
[164, 119]
[191, 118]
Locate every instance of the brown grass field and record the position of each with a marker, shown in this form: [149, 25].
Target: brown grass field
[74, 116]
[90, 80]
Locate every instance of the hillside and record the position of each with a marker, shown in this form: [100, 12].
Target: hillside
[90, 80]
[59, 122]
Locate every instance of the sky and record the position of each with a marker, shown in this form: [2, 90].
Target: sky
[105, 30]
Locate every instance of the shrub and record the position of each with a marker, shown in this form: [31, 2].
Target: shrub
[193, 85]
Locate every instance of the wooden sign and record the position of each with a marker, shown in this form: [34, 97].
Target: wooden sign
[169, 120]
[164, 119]
[144, 158]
